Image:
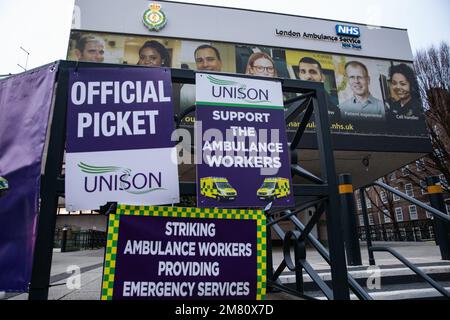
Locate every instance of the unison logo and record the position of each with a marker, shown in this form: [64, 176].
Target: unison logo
[348, 31]
[111, 178]
[234, 90]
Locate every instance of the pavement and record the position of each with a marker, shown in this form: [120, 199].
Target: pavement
[89, 264]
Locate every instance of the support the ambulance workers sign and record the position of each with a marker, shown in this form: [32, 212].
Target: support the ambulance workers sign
[244, 153]
[173, 253]
[119, 124]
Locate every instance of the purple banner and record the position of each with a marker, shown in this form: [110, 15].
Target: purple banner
[25, 102]
[237, 170]
[172, 253]
[119, 109]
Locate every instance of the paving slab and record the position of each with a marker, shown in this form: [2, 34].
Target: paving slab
[90, 264]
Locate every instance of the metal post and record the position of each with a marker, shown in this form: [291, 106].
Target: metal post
[383, 230]
[338, 264]
[64, 240]
[348, 212]
[442, 227]
[50, 184]
[366, 226]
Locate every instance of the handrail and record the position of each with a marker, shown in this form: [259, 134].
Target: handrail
[354, 285]
[416, 270]
[432, 210]
[309, 270]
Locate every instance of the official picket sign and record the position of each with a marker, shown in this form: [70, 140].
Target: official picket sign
[241, 130]
[119, 123]
[172, 253]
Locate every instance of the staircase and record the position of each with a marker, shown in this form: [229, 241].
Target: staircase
[387, 282]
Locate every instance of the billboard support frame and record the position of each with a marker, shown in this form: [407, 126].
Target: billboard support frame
[324, 187]
[52, 186]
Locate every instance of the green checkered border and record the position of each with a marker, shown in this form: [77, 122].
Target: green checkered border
[110, 257]
[180, 212]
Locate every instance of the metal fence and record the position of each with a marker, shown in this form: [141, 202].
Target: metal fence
[71, 240]
[415, 230]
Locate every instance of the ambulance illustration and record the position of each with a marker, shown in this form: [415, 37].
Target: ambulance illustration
[217, 188]
[274, 188]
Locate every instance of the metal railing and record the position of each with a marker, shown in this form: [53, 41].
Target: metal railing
[414, 231]
[412, 267]
[74, 240]
[325, 198]
[441, 224]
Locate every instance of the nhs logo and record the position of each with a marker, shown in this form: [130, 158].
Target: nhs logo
[348, 31]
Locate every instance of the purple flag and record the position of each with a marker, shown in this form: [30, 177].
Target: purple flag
[25, 102]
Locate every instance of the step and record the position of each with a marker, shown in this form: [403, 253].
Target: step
[389, 274]
[396, 282]
[415, 291]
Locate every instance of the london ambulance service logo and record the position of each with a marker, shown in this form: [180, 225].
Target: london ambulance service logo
[154, 18]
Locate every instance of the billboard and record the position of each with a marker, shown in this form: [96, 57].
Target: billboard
[119, 148]
[241, 131]
[231, 25]
[370, 112]
[168, 253]
[364, 95]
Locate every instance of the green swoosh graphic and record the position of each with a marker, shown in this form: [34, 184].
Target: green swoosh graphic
[146, 191]
[256, 102]
[225, 82]
[96, 169]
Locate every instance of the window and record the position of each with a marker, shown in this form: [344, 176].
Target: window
[368, 203]
[431, 231]
[420, 165]
[439, 153]
[387, 218]
[443, 181]
[409, 190]
[392, 176]
[413, 212]
[403, 233]
[396, 197]
[358, 204]
[399, 214]
[62, 211]
[361, 220]
[405, 171]
[447, 205]
[423, 187]
[371, 221]
[383, 197]
[417, 234]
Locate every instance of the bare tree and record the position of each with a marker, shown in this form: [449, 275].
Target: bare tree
[386, 201]
[432, 68]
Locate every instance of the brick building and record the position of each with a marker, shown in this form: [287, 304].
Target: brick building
[394, 219]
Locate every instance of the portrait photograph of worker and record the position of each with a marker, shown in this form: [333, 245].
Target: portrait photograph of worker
[202, 56]
[403, 104]
[360, 94]
[261, 61]
[316, 67]
[149, 52]
[88, 47]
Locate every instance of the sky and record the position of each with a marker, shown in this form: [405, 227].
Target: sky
[42, 27]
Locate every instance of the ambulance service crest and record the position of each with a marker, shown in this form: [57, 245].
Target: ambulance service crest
[154, 18]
